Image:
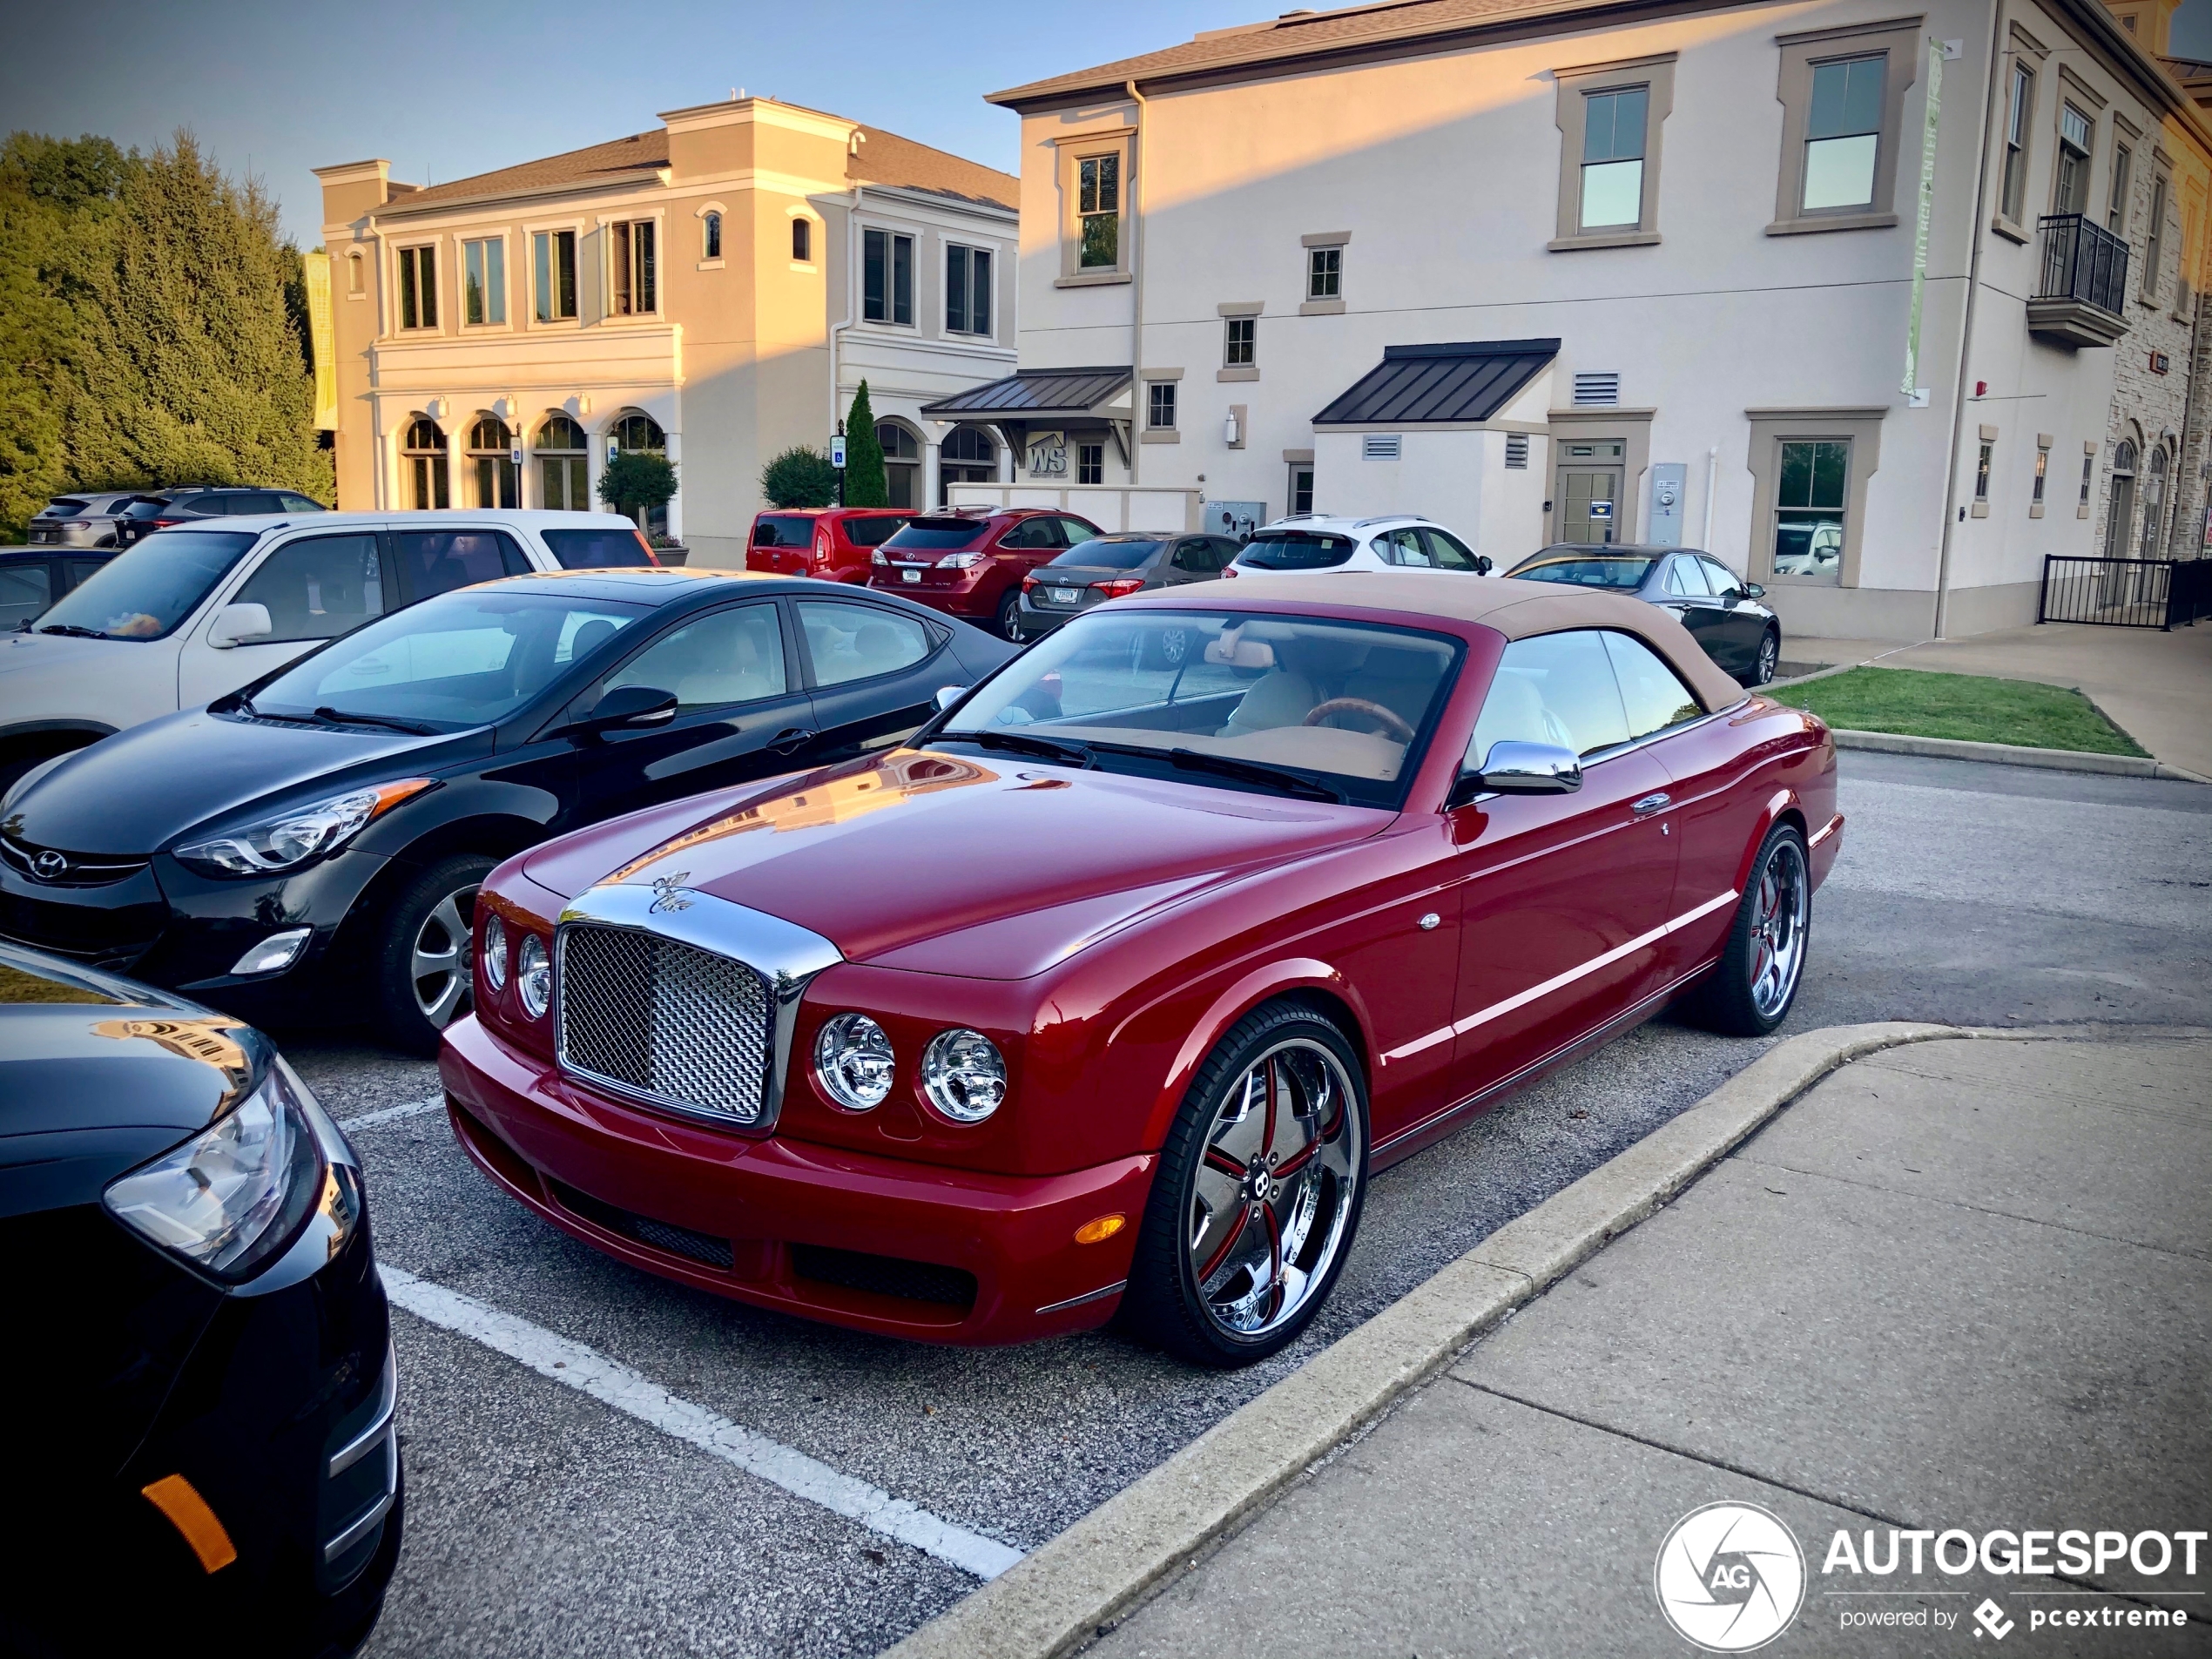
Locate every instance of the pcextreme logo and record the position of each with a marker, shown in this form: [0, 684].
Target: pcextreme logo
[1729, 1577]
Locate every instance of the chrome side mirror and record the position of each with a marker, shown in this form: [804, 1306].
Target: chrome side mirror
[1520, 769]
[948, 695]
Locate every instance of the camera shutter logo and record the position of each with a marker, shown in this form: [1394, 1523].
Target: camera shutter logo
[1729, 1577]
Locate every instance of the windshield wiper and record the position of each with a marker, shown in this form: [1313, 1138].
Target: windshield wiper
[245, 705]
[73, 630]
[1022, 743]
[338, 717]
[1252, 772]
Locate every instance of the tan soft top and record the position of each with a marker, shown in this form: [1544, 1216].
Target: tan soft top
[1517, 609]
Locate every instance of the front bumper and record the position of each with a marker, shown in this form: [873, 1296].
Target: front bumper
[808, 1229]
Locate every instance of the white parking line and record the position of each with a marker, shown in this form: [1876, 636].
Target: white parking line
[617, 1385]
[390, 1113]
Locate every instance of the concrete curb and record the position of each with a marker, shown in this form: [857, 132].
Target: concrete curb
[1059, 1595]
[1897, 743]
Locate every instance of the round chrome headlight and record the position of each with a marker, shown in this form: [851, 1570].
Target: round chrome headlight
[494, 953]
[853, 1059]
[534, 977]
[963, 1075]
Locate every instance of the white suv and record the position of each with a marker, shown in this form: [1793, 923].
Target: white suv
[1311, 544]
[191, 614]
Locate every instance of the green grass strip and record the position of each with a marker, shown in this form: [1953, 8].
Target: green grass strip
[1968, 706]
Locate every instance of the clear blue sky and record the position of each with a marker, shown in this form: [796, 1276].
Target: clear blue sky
[455, 88]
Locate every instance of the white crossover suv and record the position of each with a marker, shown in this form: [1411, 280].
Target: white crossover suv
[1311, 544]
[191, 614]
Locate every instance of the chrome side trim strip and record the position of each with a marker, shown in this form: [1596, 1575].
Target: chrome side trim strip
[1827, 830]
[386, 1404]
[1115, 1289]
[361, 1528]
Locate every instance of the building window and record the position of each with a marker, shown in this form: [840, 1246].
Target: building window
[2072, 191]
[553, 260]
[802, 240]
[902, 461]
[418, 287]
[1159, 406]
[1517, 451]
[1241, 340]
[483, 282]
[1301, 488]
[1981, 476]
[355, 277]
[562, 471]
[491, 463]
[886, 277]
[1809, 508]
[1091, 464]
[2123, 162]
[2122, 515]
[636, 270]
[2089, 471]
[967, 291]
[1843, 134]
[423, 448]
[967, 456]
[1613, 125]
[1098, 210]
[2042, 466]
[2154, 239]
[2154, 504]
[2013, 188]
[634, 432]
[1325, 274]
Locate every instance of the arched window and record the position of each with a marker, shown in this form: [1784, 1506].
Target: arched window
[713, 223]
[2122, 515]
[563, 482]
[901, 463]
[424, 450]
[638, 431]
[967, 456]
[2154, 503]
[355, 275]
[491, 463]
[802, 239]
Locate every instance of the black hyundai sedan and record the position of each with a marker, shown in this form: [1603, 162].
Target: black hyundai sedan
[1722, 610]
[308, 849]
[200, 1385]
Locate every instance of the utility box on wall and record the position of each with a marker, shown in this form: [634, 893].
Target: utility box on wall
[1670, 485]
[1236, 518]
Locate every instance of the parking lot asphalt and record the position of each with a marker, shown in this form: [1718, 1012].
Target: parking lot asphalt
[600, 1461]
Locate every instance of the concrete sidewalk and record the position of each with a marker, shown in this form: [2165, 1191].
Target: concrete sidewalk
[2156, 687]
[1964, 1285]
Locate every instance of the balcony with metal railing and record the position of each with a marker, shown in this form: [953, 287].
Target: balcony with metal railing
[2083, 296]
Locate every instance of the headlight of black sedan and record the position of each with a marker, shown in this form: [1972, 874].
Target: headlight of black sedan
[287, 841]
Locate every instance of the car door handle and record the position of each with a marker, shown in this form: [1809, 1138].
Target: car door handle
[1649, 805]
[789, 739]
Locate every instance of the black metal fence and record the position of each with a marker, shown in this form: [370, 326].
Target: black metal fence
[2083, 260]
[2125, 593]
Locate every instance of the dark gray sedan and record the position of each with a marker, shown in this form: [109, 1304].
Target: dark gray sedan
[1721, 610]
[1113, 567]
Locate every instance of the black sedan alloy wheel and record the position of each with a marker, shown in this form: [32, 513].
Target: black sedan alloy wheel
[423, 970]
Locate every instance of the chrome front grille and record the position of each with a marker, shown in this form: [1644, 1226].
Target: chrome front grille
[682, 1027]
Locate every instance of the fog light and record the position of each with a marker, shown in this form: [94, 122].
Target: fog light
[1096, 1232]
[274, 953]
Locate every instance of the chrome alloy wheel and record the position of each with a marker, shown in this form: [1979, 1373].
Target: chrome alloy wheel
[443, 958]
[1778, 907]
[1769, 654]
[1273, 1198]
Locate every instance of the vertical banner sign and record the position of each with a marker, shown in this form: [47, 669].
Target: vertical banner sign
[324, 340]
[1927, 206]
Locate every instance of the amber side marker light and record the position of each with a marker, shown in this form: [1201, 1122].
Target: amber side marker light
[188, 1512]
[1093, 1232]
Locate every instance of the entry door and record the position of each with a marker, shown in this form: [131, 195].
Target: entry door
[1589, 493]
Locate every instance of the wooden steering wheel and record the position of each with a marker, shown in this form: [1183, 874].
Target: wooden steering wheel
[1394, 724]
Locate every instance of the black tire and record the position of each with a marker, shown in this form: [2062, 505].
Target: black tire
[409, 1020]
[1010, 617]
[1763, 664]
[1165, 1304]
[1737, 999]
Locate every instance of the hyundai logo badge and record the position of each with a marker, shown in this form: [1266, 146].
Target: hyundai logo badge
[49, 866]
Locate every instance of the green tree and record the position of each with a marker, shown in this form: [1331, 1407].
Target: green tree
[638, 480]
[864, 483]
[799, 477]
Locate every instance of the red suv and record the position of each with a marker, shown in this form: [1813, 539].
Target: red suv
[832, 542]
[969, 562]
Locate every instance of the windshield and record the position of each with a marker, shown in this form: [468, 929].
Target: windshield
[147, 592]
[1295, 551]
[465, 658]
[1584, 570]
[596, 550]
[938, 535]
[1109, 553]
[1346, 706]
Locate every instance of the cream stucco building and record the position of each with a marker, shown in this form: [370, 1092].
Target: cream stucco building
[716, 288]
[1585, 271]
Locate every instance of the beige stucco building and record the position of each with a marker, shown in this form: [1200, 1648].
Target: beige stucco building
[1574, 271]
[716, 288]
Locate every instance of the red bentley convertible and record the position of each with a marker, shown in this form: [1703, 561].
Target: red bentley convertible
[1111, 990]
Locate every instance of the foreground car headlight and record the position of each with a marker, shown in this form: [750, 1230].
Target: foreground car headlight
[964, 1076]
[232, 1197]
[534, 977]
[289, 839]
[493, 953]
[853, 1059]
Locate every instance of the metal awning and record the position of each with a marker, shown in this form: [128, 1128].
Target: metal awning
[1441, 385]
[1037, 393]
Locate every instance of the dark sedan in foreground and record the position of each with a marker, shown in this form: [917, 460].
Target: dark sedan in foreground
[310, 846]
[199, 1386]
[1723, 611]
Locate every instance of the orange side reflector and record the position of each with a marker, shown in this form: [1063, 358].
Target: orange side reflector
[1105, 1227]
[188, 1512]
